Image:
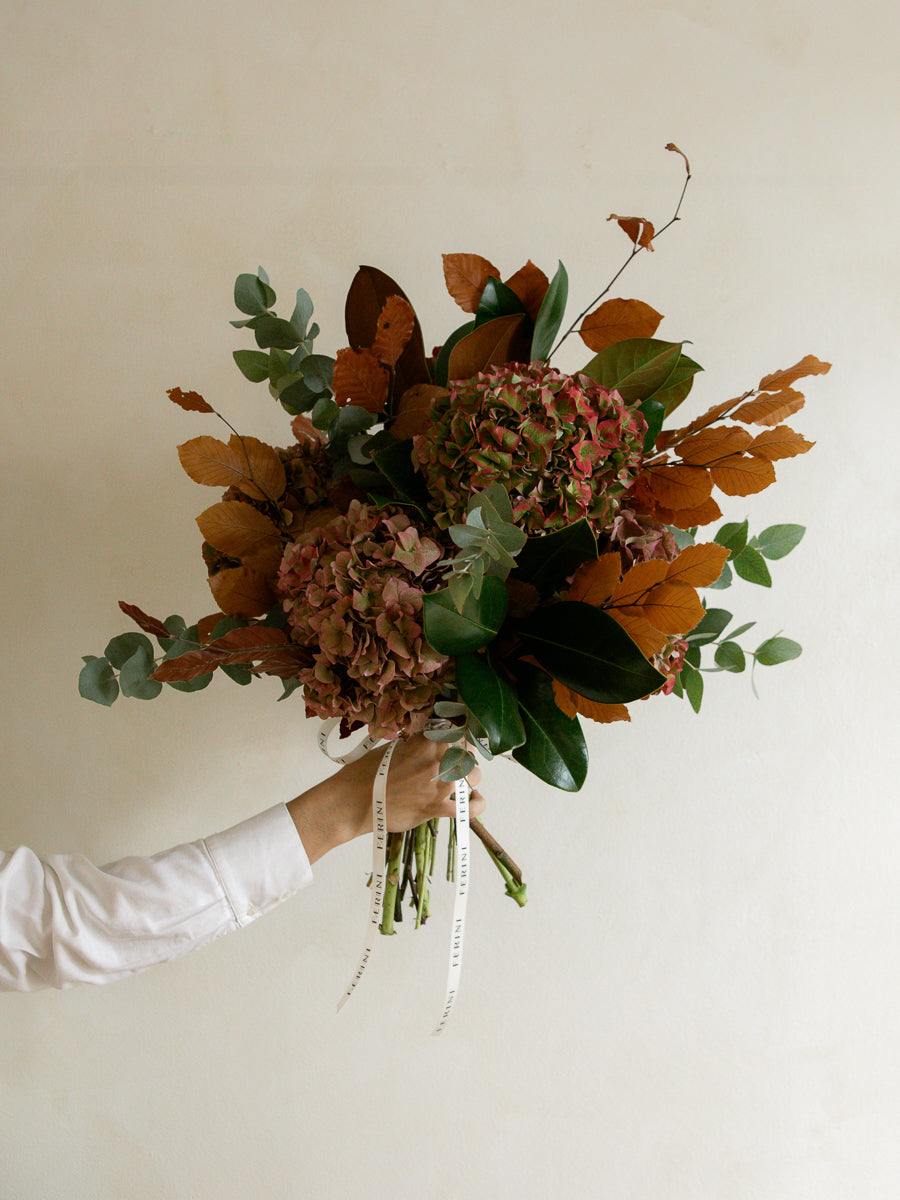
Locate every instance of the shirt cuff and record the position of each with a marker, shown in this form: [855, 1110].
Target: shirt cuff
[260, 862]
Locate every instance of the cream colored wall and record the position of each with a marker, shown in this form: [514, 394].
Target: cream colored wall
[700, 999]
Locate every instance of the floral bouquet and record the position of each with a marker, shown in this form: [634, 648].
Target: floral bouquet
[472, 535]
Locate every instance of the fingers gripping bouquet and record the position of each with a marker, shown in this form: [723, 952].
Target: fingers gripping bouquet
[473, 536]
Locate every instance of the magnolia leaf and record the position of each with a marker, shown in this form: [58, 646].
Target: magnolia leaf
[450, 632]
[809, 365]
[360, 379]
[242, 592]
[678, 386]
[574, 705]
[594, 582]
[150, 624]
[550, 315]
[237, 529]
[245, 463]
[492, 700]
[742, 474]
[191, 401]
[781, 442]
[710, 445]
[97, 682]
[554, 749]
[770, 409]
[547, 560]
[413, 408]
[699, 565]
[778, 540]
[497, 300]
[366, 298]
[777, 650]
[751, 565]
[441, 368]
[638, 229]
[252, 364]
[636, 368]
[618, 321]
[466, 276]
[490, 345]
[530, 284]
[393, 459]
[396, 322]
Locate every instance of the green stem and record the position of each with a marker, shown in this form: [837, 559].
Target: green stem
[512, 874]
[394, 864]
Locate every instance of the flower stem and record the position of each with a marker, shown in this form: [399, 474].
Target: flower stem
[512, 874]
[394, 865]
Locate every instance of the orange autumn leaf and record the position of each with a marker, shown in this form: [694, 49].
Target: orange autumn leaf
[687, 518]
[466, 276]
[492, 344]
[359, 378]
[687, 165]
[671, 607]
[574, 705]
[396, 322]
[710, 445]
[781, 442]
[678, 485]
[237, 529]
[242, 592]
[771, 409]
[245, 462]
[413, 409]
[742, 475]
[637, 581]
[699, 565]
[617, 321]
[672, 437]
[648, 640]
[530, 285]
[207, 625]
[594, 582]
[191, 401]
[638, 229]
[809, 365]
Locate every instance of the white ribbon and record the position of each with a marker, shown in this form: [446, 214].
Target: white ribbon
[454, 969]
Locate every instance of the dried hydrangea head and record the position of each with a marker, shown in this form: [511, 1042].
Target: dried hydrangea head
[639, 538]
[353, 591]
[564, 447]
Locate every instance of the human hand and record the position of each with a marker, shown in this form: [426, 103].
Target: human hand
[340, 808]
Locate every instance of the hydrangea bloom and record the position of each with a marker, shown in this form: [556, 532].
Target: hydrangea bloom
[353, 592]
[564, 447]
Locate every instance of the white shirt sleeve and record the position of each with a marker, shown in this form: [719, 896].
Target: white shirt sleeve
[64, 921]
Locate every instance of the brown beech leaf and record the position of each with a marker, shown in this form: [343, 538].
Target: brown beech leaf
[687, 518]
[413, 409]
[237, 529]
[617, 321]
[770, 409]
[699, 565]
[245, 463]
[781, 442]
[365, 300]
[359, 378]
[672, 608]
[572, 705]
[709, 445]
[530, 284]
[638, 229]
[648, 640]
[242, 592]
[206, 626]
[192, 401]
[594, 582]
[637, 581]
[671, 437]
[237, 646]
[149, 624]
[396, 322]
[687, 165]
[742, 474]
[492, 344]
[809, 365]
[466, 276]
[304, 431]
[678, 485]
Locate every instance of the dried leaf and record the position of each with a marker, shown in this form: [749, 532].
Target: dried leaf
[771, 409]
[530, 284]
[672, 608]
[710, 445]
[237, 529]
[246, 645]
[648, 640]
[359, 378]
[206, 626]
[304, 431]
[365, 300]
[594, 582]
[492, 344]
[782, 379]
[638, 581]
[638, 229]
[687, 518]
[413, 409]
[617, 321]
[671, 437]
[149, 624]
[244, 463]
[242, 592]
[192, 401]
[396, 322]
[677, 485]
[781, 442]
[466, 276]
[742, 475]
[672, 146]
[572, 705]
[699, 565]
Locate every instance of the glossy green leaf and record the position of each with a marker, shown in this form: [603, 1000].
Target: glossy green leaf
[777, 650]
[678, 385]
[548, 560]
[453, 633]
[497, 300]
[654, 413]
[393, 459]
[492, 701]
[252, 295]
[550, 315]
[751, 565]
[554, 748]
[778, 540]
[97, 682]
[587, 650]
[252, 364]
[636, 368]
[442, 365]
[730, 657]
[121, 648]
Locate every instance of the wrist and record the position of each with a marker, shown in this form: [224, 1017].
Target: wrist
[323, 819]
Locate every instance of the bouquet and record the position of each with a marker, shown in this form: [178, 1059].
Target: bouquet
[472, 538]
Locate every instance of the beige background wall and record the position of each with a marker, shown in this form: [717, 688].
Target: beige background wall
[700, 999]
